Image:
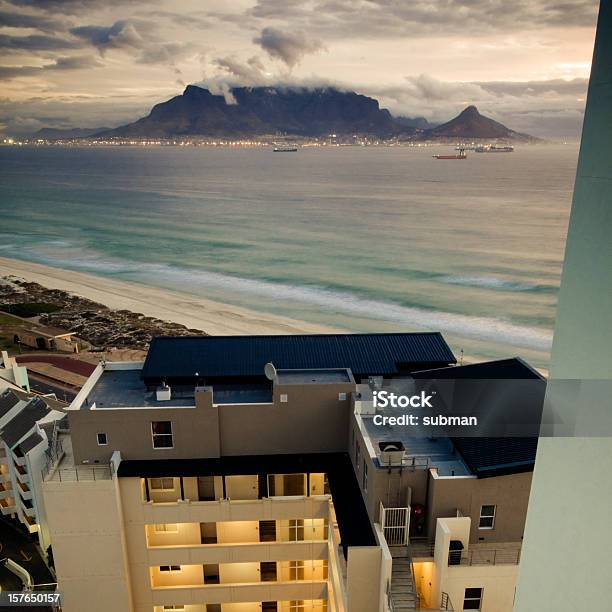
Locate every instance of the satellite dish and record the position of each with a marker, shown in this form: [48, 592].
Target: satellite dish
[270, 371]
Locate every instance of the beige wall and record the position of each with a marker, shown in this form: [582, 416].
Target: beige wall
[207, 430]
[363, 578]
[510, 495]
[86, 527]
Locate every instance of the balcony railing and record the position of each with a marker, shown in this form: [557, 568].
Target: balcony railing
[82, 473]
[486, 556]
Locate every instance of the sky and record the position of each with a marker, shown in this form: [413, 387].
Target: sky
[92, 63]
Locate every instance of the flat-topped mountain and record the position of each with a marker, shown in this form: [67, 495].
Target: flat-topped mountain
[67, 133]
[264, 110]
[469, 123]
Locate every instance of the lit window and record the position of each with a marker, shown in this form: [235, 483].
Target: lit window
[161, 484]
[166, 528]
[341, 397]
[487, 517]
[102, 439]
[472, 599]
[169, 568]
[162, 434]
[283, 398]
[365, 477]
[174, 608]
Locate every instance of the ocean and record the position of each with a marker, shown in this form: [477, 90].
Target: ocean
[361, 238]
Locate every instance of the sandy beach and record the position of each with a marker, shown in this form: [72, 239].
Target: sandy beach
[212, 317]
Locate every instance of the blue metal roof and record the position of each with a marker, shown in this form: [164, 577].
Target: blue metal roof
[243, 356]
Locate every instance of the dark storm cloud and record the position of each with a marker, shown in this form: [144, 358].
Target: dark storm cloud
[379, 18]
[289, 47]
[37, 22]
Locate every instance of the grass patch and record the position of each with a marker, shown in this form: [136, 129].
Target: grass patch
[31, 309]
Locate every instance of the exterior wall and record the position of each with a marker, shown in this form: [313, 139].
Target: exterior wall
[364, 578]
[86, 526]
[210, 430]
[195, 432]
[510, 495]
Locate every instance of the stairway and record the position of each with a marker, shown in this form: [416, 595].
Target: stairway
[403, 595]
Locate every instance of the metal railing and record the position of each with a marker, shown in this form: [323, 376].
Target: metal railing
[445, 602]
[84, 473]
[395, 523]
[486, 556]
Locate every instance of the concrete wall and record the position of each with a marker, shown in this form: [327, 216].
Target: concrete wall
[510, 495]
[208, 430]
[86, 526]
[364, 578]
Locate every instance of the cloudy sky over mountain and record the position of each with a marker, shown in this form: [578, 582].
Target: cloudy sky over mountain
[88, 63]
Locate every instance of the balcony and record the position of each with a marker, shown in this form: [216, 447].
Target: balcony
[278, 508]
[5, 490]
[7, 506]
[24, 490]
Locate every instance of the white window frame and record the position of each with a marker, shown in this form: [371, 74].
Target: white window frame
[163, 528]
[156, 435]
[487, 516]
[161, 482]
[341, 397]
[284, 398]
[171, 569]
[478, 599]
[101, 433]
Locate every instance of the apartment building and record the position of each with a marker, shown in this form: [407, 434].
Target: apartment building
[452, 509]
[28, 427]
[208, 479]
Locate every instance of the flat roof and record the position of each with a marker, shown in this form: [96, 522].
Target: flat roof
[424, 451]
[203, 357]
[353, 521]
[125, 389]
[302, 377]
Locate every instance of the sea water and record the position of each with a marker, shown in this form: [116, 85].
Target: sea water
[360, 238]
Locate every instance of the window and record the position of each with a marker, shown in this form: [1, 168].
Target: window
[174, 608]
[472, 599]
[169, 568]
[161, 484]
[102, 439]
[166, 528]
[357, 455]
[162, 434]
[365, 477]
[487, 517]
[341, 397]
[283, 398]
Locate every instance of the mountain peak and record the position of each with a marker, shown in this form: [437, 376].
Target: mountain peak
[470, 111]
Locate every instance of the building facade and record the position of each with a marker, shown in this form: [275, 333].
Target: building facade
[209, 480]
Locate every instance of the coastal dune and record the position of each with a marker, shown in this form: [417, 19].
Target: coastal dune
[212, 317]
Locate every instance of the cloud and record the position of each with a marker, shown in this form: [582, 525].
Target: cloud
[36, 42]
[382, 18]
[251, 72]
[73, 7]
[60, 63]
[120, 34]
[37, 22]
[289, 47]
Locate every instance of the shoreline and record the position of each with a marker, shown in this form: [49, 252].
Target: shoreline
[212, 317]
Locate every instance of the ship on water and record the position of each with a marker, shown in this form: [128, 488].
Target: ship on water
[285, 149]
[494, 149]
[461, 155]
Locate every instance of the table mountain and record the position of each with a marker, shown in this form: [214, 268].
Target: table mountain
[264, 110]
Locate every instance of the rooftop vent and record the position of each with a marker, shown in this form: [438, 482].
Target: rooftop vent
[164, 393]
[391, 453]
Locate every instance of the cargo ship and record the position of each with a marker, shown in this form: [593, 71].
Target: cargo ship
[461, 155]
[494, 149]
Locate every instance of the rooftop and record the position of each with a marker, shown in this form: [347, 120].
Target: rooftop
[125, 389]
[24, 421]
[321, 377]
[204, 357]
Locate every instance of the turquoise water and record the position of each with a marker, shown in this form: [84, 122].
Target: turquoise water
[359, 238]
